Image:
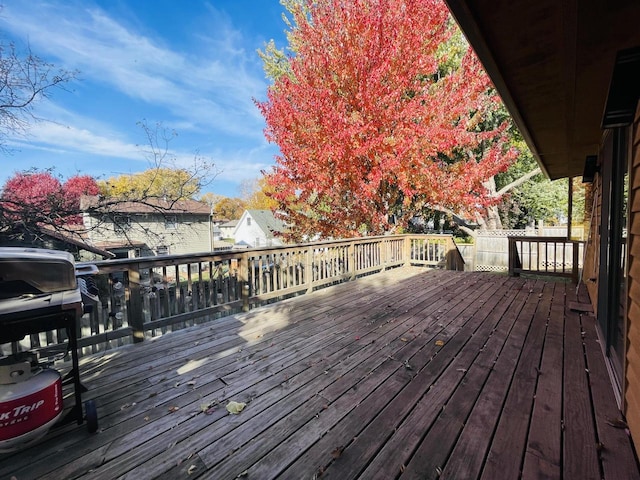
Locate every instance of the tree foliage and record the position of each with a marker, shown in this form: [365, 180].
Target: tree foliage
[160, 182]
[35, 199]
[372, 122]
[256, 194]
[229, 207]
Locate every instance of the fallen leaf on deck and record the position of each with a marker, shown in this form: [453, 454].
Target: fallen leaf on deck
[173, 409]
[403, 339]
[439, 343]
[235, 407]
[337, 451]
[207, 407]
[617, 423]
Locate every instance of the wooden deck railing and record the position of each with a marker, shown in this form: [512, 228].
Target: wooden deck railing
[142, 297]
[548, 256]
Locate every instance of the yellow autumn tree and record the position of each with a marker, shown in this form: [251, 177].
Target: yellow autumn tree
[256, 194]
[174, 184]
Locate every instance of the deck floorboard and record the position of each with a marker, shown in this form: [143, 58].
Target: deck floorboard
[406, 374]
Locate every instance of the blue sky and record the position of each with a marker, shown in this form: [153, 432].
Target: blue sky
[191, 65]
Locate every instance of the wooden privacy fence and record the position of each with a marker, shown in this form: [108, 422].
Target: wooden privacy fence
[148, 296]
[553, 256]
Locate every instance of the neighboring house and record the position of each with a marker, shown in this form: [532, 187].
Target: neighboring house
[228, 228]
[258, 228]
[155, 227]
[569, 73]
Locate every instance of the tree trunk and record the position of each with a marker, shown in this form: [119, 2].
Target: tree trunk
[490, 220]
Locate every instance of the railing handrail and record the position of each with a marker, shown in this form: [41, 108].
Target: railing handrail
[224, 254]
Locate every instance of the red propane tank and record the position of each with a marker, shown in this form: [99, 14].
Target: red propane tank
[29, 408]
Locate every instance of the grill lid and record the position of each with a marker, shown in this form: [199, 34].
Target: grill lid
[30, 271]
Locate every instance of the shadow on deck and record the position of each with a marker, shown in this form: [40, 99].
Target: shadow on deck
[405, 374]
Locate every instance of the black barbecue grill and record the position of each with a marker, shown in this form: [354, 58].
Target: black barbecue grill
[39, 292]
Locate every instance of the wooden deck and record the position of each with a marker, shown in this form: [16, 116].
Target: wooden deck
[407, 374]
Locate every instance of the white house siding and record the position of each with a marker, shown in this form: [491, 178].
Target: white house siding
[250, 233]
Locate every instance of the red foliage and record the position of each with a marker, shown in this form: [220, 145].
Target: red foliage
[40, 198]
[79, 185]
[40, 190]
[73, 189]
[368, 127]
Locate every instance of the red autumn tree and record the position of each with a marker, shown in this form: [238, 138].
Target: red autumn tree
[35, 192]
[372, 126]
[73, 189]
[40, 199]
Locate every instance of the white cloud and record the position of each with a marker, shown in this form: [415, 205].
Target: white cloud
[75, 139]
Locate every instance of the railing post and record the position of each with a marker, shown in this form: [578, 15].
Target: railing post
[308, 267]
[243, 273]
[384, 245]
[407, 251]
[352, 260]
[513, 252]
[575, 271]
[134, 302]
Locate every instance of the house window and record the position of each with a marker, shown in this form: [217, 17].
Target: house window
[121, 223]
[248, 221]
[171, 222]
[162, 250]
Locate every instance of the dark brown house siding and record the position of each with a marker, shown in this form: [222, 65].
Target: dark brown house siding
[632, 372]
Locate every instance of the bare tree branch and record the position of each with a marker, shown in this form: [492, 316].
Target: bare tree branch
[24, 80]
[517, 182]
